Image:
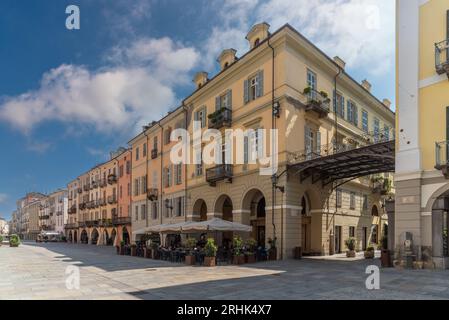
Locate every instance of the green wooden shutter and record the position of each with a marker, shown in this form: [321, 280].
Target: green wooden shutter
[259, 89]
[245, 149]
[229, 99]
[217, 103]
[246, 91]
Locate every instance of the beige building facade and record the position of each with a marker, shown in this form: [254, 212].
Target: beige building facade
[285, 83]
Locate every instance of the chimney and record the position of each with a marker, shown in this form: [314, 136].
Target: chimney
[387, 103]
[200, 79]
[366, 85]
[341, 63]
[226, 58]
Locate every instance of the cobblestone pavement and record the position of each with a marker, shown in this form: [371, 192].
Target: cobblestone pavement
[37, 271]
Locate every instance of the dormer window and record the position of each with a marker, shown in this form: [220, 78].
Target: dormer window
[226, 65]
[256, 42]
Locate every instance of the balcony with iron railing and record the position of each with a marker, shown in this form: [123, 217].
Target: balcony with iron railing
[105, 223]
[442, 57]
[102, 202]
[72, 210]
[154, 153]
[220, 118]
[219, 173]
[71, 225]
[95, 184]
[112, 199]
[103, 183]
[79, 190]
[86, 187]
[44, 217]
[121, 221]
[112, 178]
[92, 223]
[152, 194]
[317, 101]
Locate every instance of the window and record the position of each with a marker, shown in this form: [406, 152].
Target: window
[339, 198]
[199, 163]
[352, 232]
[365, 121]
[121, 192]
[352, 201]
[120, 170]
[352, 113]
[167, 135]
[154, 210]
[376, 129]
[256, 42]
[201, 116]
[179, 206]
[136, 187]
[144, 184]
[312, 83]
[137, 154]
[253, 87]
[168, 177]
[136, 213]
[178, 174]
[155, 143]
[144, 151]
[143, 211]
[128, 167]
[129, 190]
[374, 233]
[224, 101]
[386, 133]
[365, 202]
[339, 105]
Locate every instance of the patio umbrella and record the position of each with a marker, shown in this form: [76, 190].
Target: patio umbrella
[175, 227]
[216, 224]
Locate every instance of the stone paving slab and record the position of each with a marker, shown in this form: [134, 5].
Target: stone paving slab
[37, 271]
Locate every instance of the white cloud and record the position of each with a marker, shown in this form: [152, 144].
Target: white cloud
[359, 31]
[138, 88]
[39, 147]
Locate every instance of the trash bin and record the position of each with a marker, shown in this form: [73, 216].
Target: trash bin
[297, 253]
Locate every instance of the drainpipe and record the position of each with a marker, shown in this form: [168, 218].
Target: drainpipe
[335, 151]
[146, 178]
[184, 107]
[162, 164]
[273, 126]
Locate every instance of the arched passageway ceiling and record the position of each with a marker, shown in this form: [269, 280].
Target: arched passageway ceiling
[346, 165]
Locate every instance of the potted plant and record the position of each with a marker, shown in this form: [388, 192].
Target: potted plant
[272, 252]
[385, 258]
[210, 249]
[238, 256]
[250, 252]
[133, 249]
[369, 252]
[14, 241]
[190, 246]
[350, 244]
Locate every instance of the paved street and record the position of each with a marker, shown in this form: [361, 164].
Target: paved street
[37, 271]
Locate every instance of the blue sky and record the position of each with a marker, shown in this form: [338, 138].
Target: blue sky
[68, 97]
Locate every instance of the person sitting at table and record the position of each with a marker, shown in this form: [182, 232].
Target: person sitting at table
[202, 242]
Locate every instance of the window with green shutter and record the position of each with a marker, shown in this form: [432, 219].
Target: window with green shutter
[253, 87]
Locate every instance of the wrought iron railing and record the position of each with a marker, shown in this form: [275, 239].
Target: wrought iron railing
[349, 144]
[442, 57]
[154, 153]
[152, 194]
[218, 173]
[112, 178]
[220, 118]
[317, 101]
[121, 220]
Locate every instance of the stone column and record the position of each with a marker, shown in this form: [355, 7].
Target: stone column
[389, 208]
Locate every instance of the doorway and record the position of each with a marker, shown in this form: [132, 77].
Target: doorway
[337, 239]
[364, 238]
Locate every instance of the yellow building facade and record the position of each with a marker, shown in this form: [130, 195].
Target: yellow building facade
[285, 83]
[422, 130]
